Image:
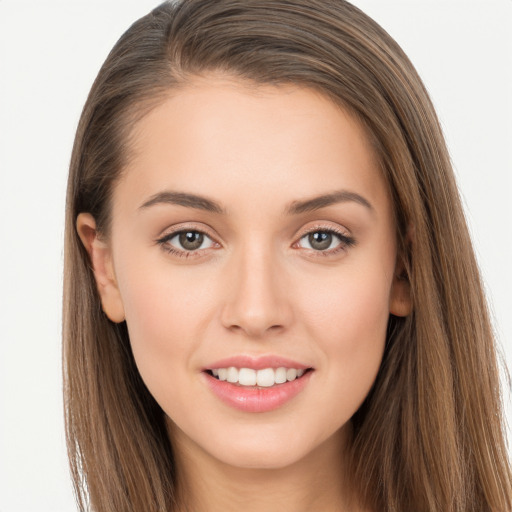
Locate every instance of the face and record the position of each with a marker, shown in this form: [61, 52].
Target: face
[253, 255]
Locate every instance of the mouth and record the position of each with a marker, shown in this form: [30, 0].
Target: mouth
[261, 378]
[257, 384]
[257, 390]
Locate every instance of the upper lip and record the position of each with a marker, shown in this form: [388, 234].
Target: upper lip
[257, 362]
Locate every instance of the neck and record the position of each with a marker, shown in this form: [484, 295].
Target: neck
[315, 482]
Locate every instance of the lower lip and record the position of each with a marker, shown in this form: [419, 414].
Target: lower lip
[254, 399]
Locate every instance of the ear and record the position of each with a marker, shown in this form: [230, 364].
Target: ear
[100, 255]
[400, 299]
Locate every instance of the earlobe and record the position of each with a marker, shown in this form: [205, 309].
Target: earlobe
[100, 255]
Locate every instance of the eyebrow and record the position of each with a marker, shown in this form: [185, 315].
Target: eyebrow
[315, 203]
[184, 199]
[295, 208]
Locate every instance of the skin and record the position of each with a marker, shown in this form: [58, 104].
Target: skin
[255, 287]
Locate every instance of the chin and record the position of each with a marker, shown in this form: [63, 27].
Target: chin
[273, 449]
[261, 457]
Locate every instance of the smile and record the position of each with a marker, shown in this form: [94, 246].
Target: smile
[257, 385]
[265, 378]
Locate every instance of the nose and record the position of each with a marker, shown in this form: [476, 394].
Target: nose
[257, 299]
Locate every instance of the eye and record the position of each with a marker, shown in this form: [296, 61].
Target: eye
[187, 241]
[326, 241]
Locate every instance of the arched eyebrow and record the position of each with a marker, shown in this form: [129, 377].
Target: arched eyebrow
[184, 199]
[294, 208]
[324, 200]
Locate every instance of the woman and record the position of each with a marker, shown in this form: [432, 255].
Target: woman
[272, 299]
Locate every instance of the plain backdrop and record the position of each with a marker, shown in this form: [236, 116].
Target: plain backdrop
[50, 52]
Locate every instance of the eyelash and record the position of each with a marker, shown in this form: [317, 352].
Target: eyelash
[164, 243]
[345, 242]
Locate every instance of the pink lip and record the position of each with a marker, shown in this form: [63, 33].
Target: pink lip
[256, 399]
[257, 363]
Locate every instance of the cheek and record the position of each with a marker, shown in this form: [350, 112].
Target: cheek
[348, 318]
[352, 306]
[164, 314]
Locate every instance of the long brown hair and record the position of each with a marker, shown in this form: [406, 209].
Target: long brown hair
[430, 435]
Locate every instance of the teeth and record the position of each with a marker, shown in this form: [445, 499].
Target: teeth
[280, 375]
[266, 377]
[247, 377]
[291, 374]
[263, 378]
[232, 375]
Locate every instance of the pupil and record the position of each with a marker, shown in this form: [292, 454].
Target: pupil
[191, 240]
[320, 240]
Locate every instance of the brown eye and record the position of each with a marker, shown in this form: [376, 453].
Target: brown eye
[320, 240]
[325, 241]
[191, 240]
[187, 241]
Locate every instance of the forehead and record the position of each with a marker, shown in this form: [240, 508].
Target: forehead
[225, 137]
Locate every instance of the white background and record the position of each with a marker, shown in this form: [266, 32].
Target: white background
[50, 52]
